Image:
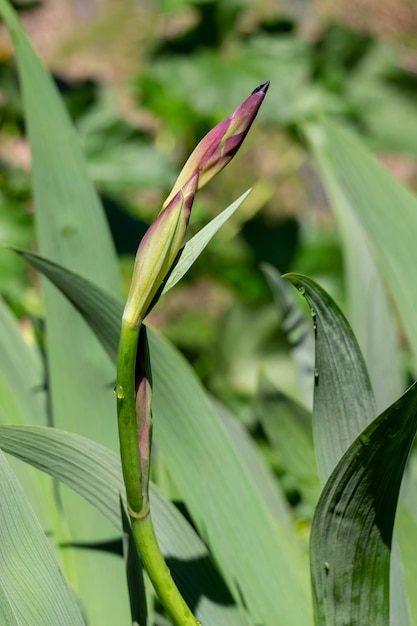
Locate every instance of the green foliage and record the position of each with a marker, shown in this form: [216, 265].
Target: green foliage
[306, 448]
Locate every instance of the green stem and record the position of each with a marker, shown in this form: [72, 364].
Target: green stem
[126, 412]
[136, 492]
[158, 572]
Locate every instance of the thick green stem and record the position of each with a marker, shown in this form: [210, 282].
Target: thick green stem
[136, 480]
[126, 412]
[159, 573]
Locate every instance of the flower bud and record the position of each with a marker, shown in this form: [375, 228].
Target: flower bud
[157, 252]
[220, 145]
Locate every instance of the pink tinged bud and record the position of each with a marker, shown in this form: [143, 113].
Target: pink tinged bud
[157, 252]
[220, 145]
[144, 416]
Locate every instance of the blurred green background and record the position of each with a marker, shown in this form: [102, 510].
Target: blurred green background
[144, 80]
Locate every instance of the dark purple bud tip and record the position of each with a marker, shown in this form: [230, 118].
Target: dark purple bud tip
[263, 88]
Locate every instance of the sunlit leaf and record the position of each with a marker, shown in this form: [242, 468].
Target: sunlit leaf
[369, 311]
[194, 247]
[95, 473]
[32, 588]
[352, 528]
[227, 508]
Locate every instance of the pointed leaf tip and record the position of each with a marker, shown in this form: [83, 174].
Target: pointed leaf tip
[262, 88]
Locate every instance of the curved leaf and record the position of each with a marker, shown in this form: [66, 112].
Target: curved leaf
[343, 402]
[95, 473]
[225, 504]
[32, 588]
[343, 398]
[352, 529]
[71, 228]
[369, 309]
[387, 211]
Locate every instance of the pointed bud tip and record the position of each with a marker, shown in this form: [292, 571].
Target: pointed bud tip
[262, 88]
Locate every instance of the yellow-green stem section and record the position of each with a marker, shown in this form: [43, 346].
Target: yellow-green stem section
[158, 572]
[143, 531]
[126, 413]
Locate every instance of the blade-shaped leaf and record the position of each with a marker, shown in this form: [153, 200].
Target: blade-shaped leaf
[352, 529]
[222, 496]
[195, 246]
[387, 211]
[226, 507]
[71, 228]
[33, 589]
[343, 398]
[86, 298]
[288, 427]
[95, 473]
[369, 310]
[268, 487]
[22, 400]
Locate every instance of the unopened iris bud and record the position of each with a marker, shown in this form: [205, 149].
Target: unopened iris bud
[157, 252]
[164, 238]
[220, 145]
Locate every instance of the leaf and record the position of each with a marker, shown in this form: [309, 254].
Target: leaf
[386, 210]
[22, 400]
[95, 473]
[343, 398]
[227, 508]
[351, 533]
[195, 246]
[369, 311]
[225, 505]
[32, 588]
[71, 228]
[406, 527]
[288, 427]
[266, 483]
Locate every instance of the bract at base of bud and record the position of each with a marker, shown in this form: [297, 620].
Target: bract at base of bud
[157, 251]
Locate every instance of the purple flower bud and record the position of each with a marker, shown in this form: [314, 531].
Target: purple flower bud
[220, 145]
[157, 252]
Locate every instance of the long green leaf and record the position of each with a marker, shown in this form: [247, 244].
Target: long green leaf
[95, 473]
[22, 400]
[368, 311]
[352, 529]
[71, 228]
[226, 507]
[343, 401]
[386, 209]
[343, 398]
[288, 427]
[32, 588]
[194, 247]
[222, 496]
